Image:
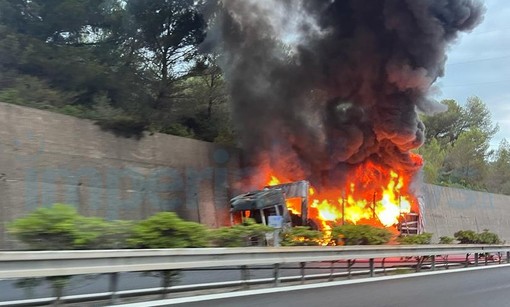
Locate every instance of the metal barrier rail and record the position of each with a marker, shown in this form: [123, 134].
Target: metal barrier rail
[29, 264]
[60, 263]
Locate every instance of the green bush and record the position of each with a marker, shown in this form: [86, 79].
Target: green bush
[487, 237]
[446, 240]
[61, 227]
[301, 236]
[115, 235]
[178, 129]
[123, 126]
[246, 234]
[167, 230]
[58, 227]
[360, 235]
[471, 237]
[32, 92]
[423, 238]
[466, 236]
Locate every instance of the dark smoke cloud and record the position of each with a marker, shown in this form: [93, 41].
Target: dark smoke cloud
[321, 85]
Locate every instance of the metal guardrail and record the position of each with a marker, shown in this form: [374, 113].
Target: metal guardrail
[103, 296]
[27, 264]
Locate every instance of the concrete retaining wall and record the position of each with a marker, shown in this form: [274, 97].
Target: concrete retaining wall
[47, 158]
[447, 210]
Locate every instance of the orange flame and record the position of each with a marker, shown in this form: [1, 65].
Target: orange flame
[375, 195]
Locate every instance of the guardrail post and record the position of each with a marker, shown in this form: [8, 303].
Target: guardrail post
[433, 262]
[276, 274]
[114, 286]
[419, 262]
[507, 257]
[500, 255]
[349, 267]
[302, 270]
[245, 276]
[371, 266]
[331, 271]
[476, 259]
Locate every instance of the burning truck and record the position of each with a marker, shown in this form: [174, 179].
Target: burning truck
[300, 205]
[274, 200]
[331, 91]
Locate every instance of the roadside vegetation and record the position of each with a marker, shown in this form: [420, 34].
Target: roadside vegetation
[457, 150]
[420, 239]
[360, 235]
[123, 64]
[61, 227]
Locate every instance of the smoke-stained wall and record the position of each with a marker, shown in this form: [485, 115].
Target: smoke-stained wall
[447, 210]
[47, 158]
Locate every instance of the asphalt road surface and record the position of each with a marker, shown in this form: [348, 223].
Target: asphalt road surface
[487, 288]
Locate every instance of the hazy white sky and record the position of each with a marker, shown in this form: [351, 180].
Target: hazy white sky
[479, 65]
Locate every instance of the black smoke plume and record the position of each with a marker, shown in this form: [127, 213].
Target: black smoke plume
[320, 86]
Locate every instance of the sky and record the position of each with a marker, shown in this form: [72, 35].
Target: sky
[479, 65]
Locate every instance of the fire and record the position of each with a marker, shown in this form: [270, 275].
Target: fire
[375, 195]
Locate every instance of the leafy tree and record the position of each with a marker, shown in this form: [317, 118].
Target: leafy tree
[204, 105]
[433, 156]
[58, 21]
[466, 163]
[423, 238]
[445, 127]
[138, 58]
[478, 116]
[301, 236]
[165, 34]
[498, 178]
[360, 235]
[457, 151]
[51, 38]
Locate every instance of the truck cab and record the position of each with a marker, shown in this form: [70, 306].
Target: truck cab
[259, 205]
[272, 200]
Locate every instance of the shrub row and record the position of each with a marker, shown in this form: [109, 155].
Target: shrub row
[61, 227]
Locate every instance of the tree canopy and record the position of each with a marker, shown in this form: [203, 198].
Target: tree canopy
[129, 65]
[457, 150]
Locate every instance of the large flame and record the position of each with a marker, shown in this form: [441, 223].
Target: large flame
[374, 195]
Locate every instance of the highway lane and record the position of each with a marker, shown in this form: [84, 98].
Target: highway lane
[135, 280]
[130, 281]
[474, 288]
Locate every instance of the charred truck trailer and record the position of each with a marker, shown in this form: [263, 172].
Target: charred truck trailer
[272, 200]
